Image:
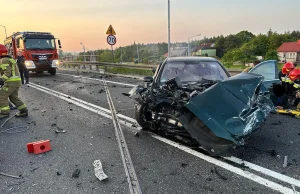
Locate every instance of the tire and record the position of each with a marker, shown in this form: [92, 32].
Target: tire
[52, 71]
[39, 71]
[213, 144]
[142, 116]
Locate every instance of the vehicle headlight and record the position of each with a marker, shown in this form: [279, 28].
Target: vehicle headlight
[55, 63]
[30, 64]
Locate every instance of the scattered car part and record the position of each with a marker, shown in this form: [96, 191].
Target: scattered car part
[12, 176]
[99, 170]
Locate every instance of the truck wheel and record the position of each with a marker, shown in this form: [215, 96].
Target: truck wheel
[52, 71]
[142, 116]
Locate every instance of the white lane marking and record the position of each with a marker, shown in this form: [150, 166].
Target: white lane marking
[86, 106]
[246, 174]
[79, 76]
[265, 171]
[83, 104]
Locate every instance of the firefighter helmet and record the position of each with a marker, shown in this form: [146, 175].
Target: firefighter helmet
[3, 51]
[295, 74]
[287, 67]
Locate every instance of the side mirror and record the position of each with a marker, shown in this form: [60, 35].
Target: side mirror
[153, 70]
[59, 44]
[148, 79]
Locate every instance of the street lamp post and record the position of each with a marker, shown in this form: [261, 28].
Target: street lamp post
[5, 30]
[169, 51]
[189, 54]
[83, 51]
[138, 53]
[121, 55]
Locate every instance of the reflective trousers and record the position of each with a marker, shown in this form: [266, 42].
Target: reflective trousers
[10, 92]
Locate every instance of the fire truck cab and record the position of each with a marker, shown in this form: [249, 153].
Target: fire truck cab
[38, 48]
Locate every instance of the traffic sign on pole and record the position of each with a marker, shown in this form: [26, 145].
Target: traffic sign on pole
[111, 30]
[111, 39]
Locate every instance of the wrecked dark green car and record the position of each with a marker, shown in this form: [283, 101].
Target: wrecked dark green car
[196, 101]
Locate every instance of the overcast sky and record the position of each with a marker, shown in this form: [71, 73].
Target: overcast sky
[145, 21]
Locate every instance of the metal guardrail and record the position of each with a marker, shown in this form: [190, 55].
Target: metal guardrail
[103, 65]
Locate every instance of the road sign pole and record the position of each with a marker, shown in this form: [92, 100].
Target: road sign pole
[169, 52]
[113, 55]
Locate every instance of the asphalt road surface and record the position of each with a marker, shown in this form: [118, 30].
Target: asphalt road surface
[161, 166]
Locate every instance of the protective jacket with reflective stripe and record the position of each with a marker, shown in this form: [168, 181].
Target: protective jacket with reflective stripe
[9, 72]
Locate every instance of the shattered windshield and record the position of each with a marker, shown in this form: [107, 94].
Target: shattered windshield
[41, 44]
[193, 71]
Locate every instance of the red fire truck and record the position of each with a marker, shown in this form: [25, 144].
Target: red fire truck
[38, 48]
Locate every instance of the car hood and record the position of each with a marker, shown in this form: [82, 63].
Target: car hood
[233, 108]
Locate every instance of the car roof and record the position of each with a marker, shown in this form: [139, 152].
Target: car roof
[207, 59]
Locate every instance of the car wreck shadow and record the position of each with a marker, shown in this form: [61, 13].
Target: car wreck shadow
[277, 137]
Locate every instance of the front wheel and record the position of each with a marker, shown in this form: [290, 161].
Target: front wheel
[142, 116]
[213, 144]
[52, 71]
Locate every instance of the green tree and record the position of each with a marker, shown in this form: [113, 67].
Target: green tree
[106, 56]
[271, 55]
[145, 60]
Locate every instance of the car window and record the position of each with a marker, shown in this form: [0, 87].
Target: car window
[190, 71]
[266, 69]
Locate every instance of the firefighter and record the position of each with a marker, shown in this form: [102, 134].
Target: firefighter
[295, 77]
[287, 83]
[11, 82]
[22, 68]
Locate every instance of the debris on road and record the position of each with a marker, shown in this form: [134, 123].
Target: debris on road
[39, 147]
[183, 165]
[276, 123]
[43, 111]
[58, 173]
[285, 162]
[137, 134]
[218, 173]
[32, 122]
[101, 90]
[273, 153]
[80, 87]
[76, 173]
[12, 176]
[60, 131]
[99, 170]
[294, 189]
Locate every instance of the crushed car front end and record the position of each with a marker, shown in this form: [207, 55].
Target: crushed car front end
[196, 99]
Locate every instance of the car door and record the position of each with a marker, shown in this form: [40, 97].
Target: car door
[269, 70]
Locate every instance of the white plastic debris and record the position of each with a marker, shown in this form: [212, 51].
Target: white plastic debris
[99, 171]
[285, 162]
[294, 189]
